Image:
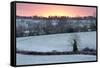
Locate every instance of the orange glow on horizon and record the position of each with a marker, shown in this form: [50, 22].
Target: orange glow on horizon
[25, 9]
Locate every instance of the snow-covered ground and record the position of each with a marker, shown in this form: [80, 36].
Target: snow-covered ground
[59, 42]
[30, 59]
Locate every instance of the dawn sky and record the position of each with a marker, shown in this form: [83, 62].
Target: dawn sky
[25, 9]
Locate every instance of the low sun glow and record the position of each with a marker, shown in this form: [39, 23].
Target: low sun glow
[54, 14]
[24, 9]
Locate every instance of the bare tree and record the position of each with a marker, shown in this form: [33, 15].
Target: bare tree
[75, 42]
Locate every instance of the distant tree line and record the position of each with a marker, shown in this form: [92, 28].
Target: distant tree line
[55, 17]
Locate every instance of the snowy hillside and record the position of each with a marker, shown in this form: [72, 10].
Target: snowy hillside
[58, 42]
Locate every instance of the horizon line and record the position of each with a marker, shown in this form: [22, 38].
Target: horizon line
[56, 16]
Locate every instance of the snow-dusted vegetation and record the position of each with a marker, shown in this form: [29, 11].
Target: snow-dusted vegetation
[32, 26]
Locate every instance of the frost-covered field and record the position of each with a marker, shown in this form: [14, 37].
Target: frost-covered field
[30, 59]
[59, 42]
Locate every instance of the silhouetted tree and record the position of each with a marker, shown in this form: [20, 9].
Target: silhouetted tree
[75, 48]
